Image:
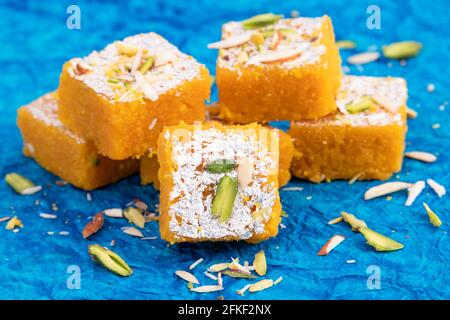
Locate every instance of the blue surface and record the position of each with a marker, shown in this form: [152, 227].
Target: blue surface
[35, 43]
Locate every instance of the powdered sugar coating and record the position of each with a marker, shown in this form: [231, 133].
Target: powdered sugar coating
[194, 187]
[303, 34]
[45, 109]
[390, 94]
[170, 70]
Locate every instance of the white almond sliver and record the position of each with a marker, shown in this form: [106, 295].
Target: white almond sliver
[230, 42]
[278, 280]
[189, 277]
[113, 213]
[438, 188]
[142, 83]
[363, 58]
[31, 190]
[137, 61]
[331, 244]
[219, 267]
[261, 285]
[48, 216]
[385, 188]
[421, 156]
[411, 113]
[196, 263]
[245, 171]
[414, 191]
[133, 232]
[279, 55]
[209, 288]
[211, 276]
[4, 219]
[243, 290]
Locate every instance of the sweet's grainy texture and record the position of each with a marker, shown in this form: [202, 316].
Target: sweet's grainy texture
[62, 152]
[188, 188]
[367, 144]
[301, 86]
[149, 163]
[122, 96]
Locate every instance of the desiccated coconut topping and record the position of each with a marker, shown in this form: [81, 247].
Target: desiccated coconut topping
[194, 187]
[141, 66]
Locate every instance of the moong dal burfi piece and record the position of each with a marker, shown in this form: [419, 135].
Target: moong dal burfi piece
[285, 70]
[149, 163]
[218, 183]
[364, 140]
[122, 97]
[62, 152]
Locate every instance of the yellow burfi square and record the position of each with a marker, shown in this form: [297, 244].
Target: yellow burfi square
[122, 97]
[365, 145]
[289, 70]
[62, 152]
[189, 187]
[149, 163]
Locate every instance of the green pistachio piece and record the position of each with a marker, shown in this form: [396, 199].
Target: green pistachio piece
[380, 242]
[221, 166]
[402, 49]
[353, 221]
[223, 201]
[346, 44]
[236, 274]
[135, 216]
[434, 218]
[18, 182]
[360, 104]
[147, 65]
[261, 20]
[110, 260]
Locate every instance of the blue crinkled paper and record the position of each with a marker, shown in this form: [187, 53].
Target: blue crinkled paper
[33, 265]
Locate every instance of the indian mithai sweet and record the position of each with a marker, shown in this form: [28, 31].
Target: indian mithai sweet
[64, 153]
[277, 69]
[150, 166]
[218, 183]
[364, 139]
[122, 97]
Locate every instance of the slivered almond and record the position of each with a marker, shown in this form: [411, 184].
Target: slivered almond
[421, 156]
[189, 277]
[196, 263]
[411, 113]
[278, 280]
[137, 60]
[437, 188]
[218, 267]
[238, 267]
[414, 191]
[140, 204]
[113, 213]
[355, 178]
[31, 190]
[281, 55]
[48, 216]
[231, 42]
[245, 171]
[209, 288]
[219, 279]
[132, 231]
[94, 226]
[243, 290]
[211, 276]
[260, 263]
[336, 220]
[385, 188]
[4, 219]
[363, 58]
[332, 243]
[142, 83]
[261, 285]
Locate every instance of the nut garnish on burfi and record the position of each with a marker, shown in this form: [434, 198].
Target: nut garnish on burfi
[218, 183]
[140, 66]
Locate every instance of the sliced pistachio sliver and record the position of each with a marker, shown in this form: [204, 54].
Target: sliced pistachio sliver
[434, 218]
[380, 242]
[147, 65]
[261, 20]
[402, 49]
[260, 263]
[126, 49]
[257, 38]
[134, 216]
[223, 201]
[13, 223]
[18, 182]
[353, 221]
[110, 260]
[221, 166]
[218, 267]
[360, 104]
[261, 285]
[237, 274]
[346, 44]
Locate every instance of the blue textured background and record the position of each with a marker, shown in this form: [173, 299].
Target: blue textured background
[34, 44]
